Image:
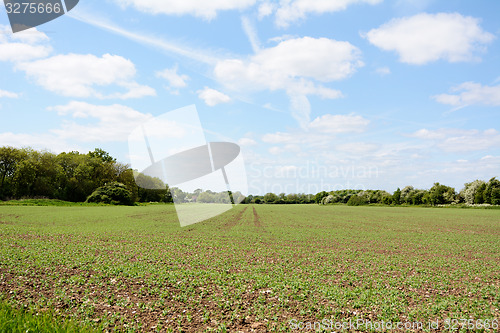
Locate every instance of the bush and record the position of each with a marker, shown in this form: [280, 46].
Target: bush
[356, 200]
[495, 196]
[112, 193]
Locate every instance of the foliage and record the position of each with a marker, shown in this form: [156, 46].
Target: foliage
[356, 200]
[113, 193]
[470, 191]
[406, 193]
[396, 197]
[441, 195]
[73, 176]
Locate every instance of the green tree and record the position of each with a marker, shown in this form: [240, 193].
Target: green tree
[396, 197]
[479, 195]
[270, 198]
[113, 193]
[406, 194]
[318, 198]
[178, 195]
[102, 155]
[357, 200]
[206, 197]
[441, 194]
[126, 177]
[492, 184]
[470, 190]
[495, 196]
[9, 159]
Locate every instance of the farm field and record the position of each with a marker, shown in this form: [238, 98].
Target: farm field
[255, 268]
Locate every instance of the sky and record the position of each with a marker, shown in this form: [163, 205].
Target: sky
[320, 95]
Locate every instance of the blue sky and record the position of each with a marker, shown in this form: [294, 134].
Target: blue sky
[320, 95]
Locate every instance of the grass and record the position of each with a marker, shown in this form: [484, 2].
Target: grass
[13, 320]
[44, 202]
[255, 267]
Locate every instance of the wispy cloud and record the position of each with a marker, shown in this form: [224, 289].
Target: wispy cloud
[471, 93]
[202, 56]
[251, 33]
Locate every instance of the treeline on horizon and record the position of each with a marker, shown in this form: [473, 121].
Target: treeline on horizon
[73, 176]
[98, 177]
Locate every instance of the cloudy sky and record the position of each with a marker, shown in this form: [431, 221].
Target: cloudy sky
[320, 95]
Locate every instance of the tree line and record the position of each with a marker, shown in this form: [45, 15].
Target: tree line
[73, 176]
[98, 177]
[475, 193]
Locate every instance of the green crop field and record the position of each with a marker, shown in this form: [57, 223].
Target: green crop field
[255, 268]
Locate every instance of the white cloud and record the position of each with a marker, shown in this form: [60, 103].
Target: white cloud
[301, 108]
[293, 10]
[460, 140]
[76, 75]
[289, 148]
[114, 122]
[383, 71]
[200, 8]
[174, 79]
[23, 46]
[251, 33]
[358, 147]
[31, 36]
[334, 124]
[213, 97]
[8, 94]
[36, 141]
[247, 142]
[201, 55]
[265, 9]
[424, 38]
[275, 150]
[293, 66]
[471, 93]
[319, 132]
[279, 137]
[290, 64]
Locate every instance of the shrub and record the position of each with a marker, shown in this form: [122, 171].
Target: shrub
[470, 191]
[112, 193]
[356, 200]
[495, 196]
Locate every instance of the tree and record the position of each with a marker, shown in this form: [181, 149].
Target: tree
[357, 200]
[126, 177]
[177, 194]
[406, 194]
[238, 197]
[113, 193]
[329, 199]
[102, 155]
[318, 198]
[396, 197]
[206, 197]
[270, 198]
[441, 194]
[416, 197]
[495, 196]
[479, 195]
[470, 190]
[9, 158]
